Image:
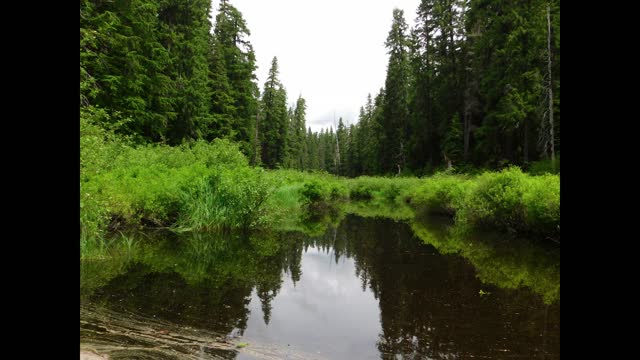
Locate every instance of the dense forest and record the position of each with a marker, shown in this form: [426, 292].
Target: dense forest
[434, 217]
[472, 84]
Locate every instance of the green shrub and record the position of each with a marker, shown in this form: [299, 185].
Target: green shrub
[542, 205]
[312, 192]
[396, 189]
[441, 194]
[513, 201]
[338, 192]
[361, 192]
[497, 200]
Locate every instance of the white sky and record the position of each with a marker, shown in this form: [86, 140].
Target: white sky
[329, 51]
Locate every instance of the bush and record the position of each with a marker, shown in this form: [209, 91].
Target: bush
[379, 188]
[542, 204]
[497, 200]
[361, 192]
[338, 192]
[441, 194]
[513, 201]
[312, 192]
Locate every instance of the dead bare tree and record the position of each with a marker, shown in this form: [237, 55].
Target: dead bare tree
[336, 159]
[550, 86]
[546, 141]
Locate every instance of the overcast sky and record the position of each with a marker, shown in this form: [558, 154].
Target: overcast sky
[330, 51]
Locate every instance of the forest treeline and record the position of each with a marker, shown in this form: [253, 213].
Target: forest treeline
[473, 83]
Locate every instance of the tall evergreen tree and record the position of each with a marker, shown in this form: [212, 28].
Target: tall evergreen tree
[342, 146]
[184, 29]
[509, 47]
[297, 137]
[123, 66]
[232, 79]
[273, 121]
[312, 159]
[396, 112]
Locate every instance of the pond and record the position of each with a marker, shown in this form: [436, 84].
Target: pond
[369, 288]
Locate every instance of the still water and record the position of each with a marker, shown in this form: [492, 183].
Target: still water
[366, 289]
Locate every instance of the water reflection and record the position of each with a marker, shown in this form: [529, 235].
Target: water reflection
[368, 288]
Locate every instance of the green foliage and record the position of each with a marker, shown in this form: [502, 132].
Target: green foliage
[545, 166]
[230, 198]
[202, 185]
[442, 194]
[98, 148]
[382, 189]
[466, 83]
[234, 92]
[313, 192]
[361, 192]
[338, 192]
[497, 200]
[513, 201]
[395, 120]
[273, 119]
[452, 145]
[542, 205]
[508, 201]
[297, 147]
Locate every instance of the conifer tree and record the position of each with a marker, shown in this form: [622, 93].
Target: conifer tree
[273, 122]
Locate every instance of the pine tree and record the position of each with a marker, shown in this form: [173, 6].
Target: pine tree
[123, 66]
[273, 122]
[342, 146]
[184, 28]
[232, 79]
[396, 112]
[452, 146]
[298, 134]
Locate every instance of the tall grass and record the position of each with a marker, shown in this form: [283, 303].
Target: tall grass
[201, 186]
[211, 187]
[370, 188]
[225, 200]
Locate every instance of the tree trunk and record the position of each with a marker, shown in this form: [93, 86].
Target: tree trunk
[465, 129]
[448, 161]
[526, 141]
[337, 158]
[256, 146]
[553, 153]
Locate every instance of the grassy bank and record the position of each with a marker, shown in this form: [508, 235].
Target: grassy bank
[200, 186]
[508, 201]
[211, 187]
